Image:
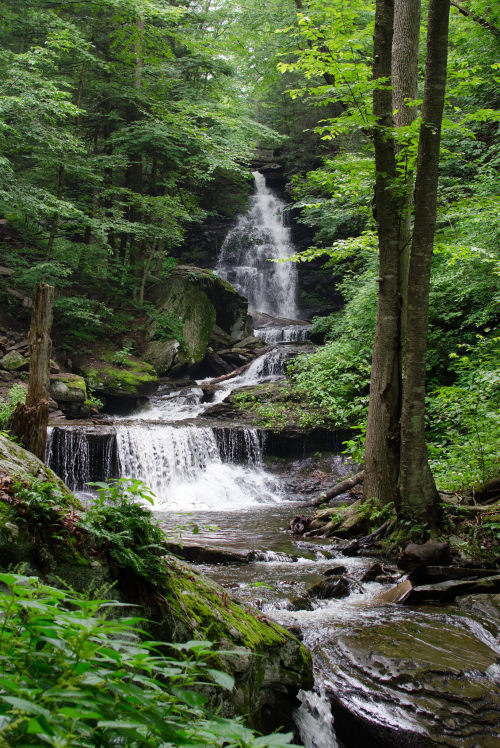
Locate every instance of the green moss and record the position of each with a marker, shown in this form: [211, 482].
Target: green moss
[215, 615]
[135, 379]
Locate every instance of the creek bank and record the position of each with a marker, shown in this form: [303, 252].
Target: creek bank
[269, 665]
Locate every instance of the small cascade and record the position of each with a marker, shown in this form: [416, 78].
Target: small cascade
[79, 455]
[290, 334]
[239, 445]
[268, 366]
[189, 468]
[315, 721]
[186, 467]
[260, 236]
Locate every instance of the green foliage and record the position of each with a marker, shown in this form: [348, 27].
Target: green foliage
[75, 673]
[120, 527]
[167, 326]
[334, 379]
[120, 358]
[464, 420]
[16, 394]
[40, 505]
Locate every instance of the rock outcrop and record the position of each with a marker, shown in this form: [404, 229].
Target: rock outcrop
[123, 380]
[268, 663]
[200, 312]
[417, 682]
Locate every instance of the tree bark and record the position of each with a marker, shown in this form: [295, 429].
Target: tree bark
[418, 492]
[29, 422]
[382, 436]
[404, 89]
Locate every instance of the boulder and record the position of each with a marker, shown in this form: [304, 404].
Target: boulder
[334, 586]
[161, 355]
[203, 307]
[68, 388]
[14, 361]
[131, 378]
[417, 682]
[70, 394]
[430, 553]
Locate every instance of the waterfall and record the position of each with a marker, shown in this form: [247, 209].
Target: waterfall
[260, 236]
[186, 467]
[290, 334]
[79, 455]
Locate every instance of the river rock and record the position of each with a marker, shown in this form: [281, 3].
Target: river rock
[425, 554]
[14, 361]
[161, 355]
[416, 682]
[334, 586]
[199, 554]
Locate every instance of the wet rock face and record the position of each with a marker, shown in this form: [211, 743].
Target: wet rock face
[415, 683]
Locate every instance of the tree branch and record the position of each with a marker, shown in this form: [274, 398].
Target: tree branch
[478, 19]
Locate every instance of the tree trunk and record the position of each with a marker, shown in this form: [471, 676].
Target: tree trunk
[29, 422]
[382, 436]
[405, 88]
[417, 489]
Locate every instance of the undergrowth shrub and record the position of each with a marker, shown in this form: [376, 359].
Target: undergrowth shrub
[122, 528]
[76, 675]
[16, 394]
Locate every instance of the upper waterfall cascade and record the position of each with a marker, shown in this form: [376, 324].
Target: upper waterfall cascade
[245, 260]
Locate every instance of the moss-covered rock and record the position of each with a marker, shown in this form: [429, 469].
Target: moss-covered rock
[68, 388]
[191, 303]
[21, 464]
[269, 664]
[161, 355]
[130, 378]
[14, 361]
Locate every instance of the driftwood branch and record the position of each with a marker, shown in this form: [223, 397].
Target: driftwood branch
[338, 489]
[478, 19]
[231, 374]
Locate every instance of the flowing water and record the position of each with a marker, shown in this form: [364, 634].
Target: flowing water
[214, 484]
[253, 254]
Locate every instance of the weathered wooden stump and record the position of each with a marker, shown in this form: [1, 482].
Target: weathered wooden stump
[29, 421]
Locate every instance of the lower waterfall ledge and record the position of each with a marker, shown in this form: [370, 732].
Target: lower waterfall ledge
[268, 663]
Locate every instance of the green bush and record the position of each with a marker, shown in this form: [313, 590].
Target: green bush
[73, 675]
[120, 527]
[16, 394]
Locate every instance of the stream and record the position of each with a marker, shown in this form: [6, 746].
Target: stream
[217, 484]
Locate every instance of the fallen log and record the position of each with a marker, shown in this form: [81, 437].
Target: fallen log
[234, 373]
[338, 489]
[357, 545]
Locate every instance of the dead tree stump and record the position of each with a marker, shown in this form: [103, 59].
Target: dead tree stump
[29, 422]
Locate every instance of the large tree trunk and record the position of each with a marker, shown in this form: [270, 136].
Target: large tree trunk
[29, 422]
[417, 489]
[405, 89]
[382, 436]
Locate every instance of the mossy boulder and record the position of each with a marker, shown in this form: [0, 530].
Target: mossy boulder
[161, 355]
[14, 361]
[268, 663]
[70, 393]
[130, 378]
[190, 304]
[21, 464]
